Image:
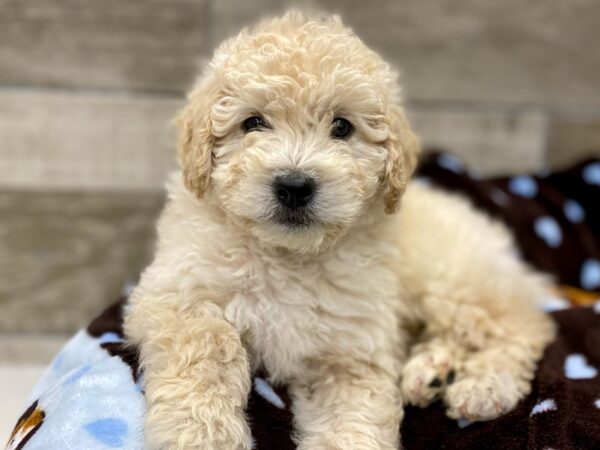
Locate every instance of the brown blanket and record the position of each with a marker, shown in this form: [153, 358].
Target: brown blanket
[562, 411]
[555, 217]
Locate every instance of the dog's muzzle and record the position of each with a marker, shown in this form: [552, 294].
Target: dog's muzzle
[294, 193]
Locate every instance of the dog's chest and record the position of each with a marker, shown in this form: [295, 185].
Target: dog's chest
[288, 314]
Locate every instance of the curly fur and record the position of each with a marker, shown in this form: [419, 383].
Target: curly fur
[327, 307]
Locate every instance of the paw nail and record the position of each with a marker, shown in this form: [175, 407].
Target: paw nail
[450, 377]
[436, 382]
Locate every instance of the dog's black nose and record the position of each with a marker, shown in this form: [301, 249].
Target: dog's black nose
[294, 190]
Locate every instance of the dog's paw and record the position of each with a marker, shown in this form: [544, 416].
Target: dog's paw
[426, 375]
[483, 397]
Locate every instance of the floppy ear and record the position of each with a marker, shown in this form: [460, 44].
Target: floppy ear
[403, 150]
[196, 142]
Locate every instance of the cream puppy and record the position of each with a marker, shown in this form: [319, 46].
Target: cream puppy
[279, 247]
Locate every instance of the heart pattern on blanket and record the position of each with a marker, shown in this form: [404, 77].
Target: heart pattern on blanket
[524, 186]
[578, 368]
[574, 211]
[590, 274]
[591, 174]
[110, 431]
[549, 231]
[545, 405]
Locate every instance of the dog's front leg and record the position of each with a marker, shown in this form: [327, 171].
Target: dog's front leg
[196, 375]
[346, 404]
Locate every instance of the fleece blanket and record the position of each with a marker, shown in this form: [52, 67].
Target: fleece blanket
[91, 396]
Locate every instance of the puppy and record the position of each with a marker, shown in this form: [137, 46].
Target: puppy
[279, 248]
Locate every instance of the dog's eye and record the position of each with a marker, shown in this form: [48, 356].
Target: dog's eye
[254, 123]
[341, 128]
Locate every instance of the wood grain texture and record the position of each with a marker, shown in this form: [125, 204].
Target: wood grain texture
[61, 140]
[65, 256]
[542, 52]
[509, 52]
[573, 139]
[492, 142]
[64, 141]
[88, 88]
[26, 348]
[230, 16]
[115, 44]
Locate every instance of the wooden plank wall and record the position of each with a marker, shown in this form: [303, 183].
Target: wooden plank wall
[87, 87]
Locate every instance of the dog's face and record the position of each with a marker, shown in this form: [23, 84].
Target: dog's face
[294, 131]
